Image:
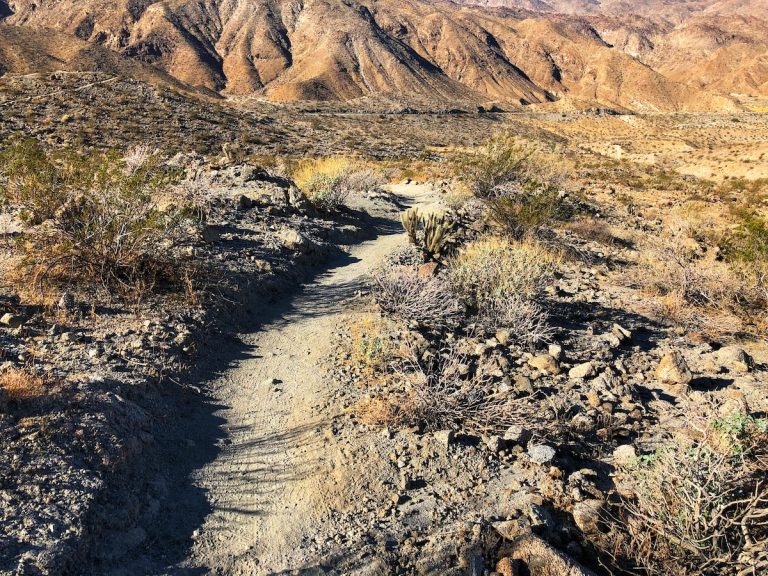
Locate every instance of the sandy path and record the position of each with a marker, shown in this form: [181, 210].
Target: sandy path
[268, 488]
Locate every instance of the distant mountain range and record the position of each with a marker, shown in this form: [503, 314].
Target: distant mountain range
[656, 55]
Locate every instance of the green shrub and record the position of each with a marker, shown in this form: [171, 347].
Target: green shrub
[519, 183]
[104, 226]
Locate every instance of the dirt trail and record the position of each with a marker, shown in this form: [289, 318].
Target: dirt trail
[270, 488]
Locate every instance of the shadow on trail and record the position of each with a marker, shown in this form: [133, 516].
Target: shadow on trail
[155, 499]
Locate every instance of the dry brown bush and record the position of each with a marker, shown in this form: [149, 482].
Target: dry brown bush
[403, 293]
[439, 393]
[695, 288]
[525, 320]
[493, 267]
[698, 507]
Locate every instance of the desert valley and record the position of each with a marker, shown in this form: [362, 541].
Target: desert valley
[397, 287]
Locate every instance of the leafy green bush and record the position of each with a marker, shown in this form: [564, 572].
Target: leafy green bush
[519, 183]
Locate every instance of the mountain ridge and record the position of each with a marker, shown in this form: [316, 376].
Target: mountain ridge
[516, 54]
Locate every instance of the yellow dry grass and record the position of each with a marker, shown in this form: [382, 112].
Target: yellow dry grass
[21, 385]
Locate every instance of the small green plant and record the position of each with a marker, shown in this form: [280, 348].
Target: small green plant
[749, 242]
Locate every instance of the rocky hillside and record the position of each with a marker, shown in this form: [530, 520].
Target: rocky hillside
[416, 51]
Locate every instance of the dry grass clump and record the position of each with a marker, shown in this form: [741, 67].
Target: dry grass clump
[440, 392]
[101, 222]
[500, 281]
[403, 293]
[493, 267]
[328, 182]
[698, 507]
[19, 385]
[518, 181]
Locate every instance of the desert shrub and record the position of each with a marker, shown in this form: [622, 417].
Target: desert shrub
[500, 282]
[114, 226]
[402, 292]
[438, 392]
[749, 241]
[370, 346]
[503, 162]
[698, 507]
[328, 182]
[492, 268]
[594, 230]
[522, 214]
[688, 278]
[36, 182]
[525, 320]
[404, 255]
[430, 233]
[519, 183]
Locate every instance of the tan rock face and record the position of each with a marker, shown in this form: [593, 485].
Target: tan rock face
[421, 51]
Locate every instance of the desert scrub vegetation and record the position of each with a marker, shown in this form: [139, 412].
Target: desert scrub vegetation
[440, 392]
[371, 347]
[18, 385]
[688, 276]
[697, 506]
[409, 294]
[501, 282]
[103, 221]
[518, 181]
[328, 182]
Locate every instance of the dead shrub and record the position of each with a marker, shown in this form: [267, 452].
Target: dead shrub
[688, 278]
[439, 392]
[526, 321]
[594, 230]
[402, 292]
[697, 507]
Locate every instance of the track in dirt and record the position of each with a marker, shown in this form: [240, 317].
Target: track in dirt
[254, 486]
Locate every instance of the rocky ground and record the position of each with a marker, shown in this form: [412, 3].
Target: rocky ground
[220, 431]
[113, 373]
